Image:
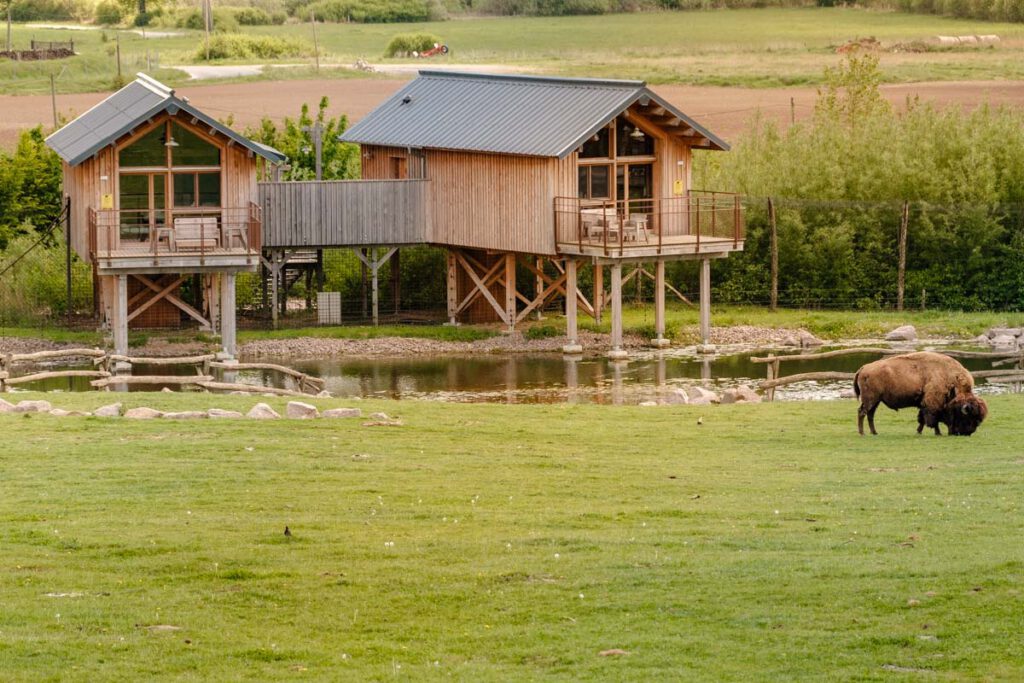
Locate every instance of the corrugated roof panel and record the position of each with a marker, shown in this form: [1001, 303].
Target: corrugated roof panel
[124, 110]
[528, 115]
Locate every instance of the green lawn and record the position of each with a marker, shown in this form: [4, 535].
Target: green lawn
[755, 47]
[483, 542]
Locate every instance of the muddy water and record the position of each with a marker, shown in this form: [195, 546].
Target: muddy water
[546, 378]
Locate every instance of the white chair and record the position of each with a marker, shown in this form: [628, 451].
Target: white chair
[195, 232]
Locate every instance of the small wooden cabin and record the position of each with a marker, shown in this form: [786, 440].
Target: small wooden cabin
[526, 168]
[161, 194]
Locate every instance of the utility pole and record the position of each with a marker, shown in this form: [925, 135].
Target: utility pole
[317, 132]
[774, 247]
[9, 44]
[53, 99]
[117, 42]
[207, 25]
[901, 268]
[316, 44]
[792, 110]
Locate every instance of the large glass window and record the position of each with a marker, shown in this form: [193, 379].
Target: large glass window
[149, 150]
[598, 146]
[594, 181]
[631, 141]
[624, 144]
[196, 190]
[192, 150]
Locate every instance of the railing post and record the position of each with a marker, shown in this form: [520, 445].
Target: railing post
[604, 219]
[736, 222]
[697, 211]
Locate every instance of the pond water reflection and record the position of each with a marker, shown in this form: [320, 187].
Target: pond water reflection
[547, 378]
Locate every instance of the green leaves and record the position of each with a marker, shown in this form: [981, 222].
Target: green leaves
[30, 186]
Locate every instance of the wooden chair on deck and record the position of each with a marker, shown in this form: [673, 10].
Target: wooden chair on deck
[194, 232]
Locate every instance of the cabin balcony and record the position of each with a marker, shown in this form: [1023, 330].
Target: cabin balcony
[697, 225]
[213, 239]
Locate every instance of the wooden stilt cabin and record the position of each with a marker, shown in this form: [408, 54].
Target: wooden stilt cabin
[523, 169]
[161, 195]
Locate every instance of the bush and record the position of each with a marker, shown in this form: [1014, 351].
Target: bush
[223, 21]
[239, 46]
[50, 10]
[254, 16]
[109, 13]
[367, 11]
[404, 44]
[543, 332]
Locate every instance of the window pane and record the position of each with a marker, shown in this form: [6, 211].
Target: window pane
[159, 197]
[134, 204]
[148, 150]
[629, 143]
[184, 189]
[597, 145]
[209, 189]
[584, 189]
[599, 182]
[641, 181]
[192, 150]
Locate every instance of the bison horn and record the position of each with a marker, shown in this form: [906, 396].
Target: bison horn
[966, 409]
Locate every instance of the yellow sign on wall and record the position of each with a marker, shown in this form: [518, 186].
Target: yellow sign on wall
[677, 188]
[107, 201]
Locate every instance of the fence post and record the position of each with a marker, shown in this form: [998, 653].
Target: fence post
[67, 255]
[769, 394]
[774, 255]
[901, 269]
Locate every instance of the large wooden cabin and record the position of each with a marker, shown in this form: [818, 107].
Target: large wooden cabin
[523, 169]
[161, 194]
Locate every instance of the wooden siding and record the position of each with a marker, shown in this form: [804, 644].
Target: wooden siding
[377, 162]
[85, 186]
[345, 213]
[490, 201]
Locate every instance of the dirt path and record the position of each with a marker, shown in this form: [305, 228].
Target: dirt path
[724, 110]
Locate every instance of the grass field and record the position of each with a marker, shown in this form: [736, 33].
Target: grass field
[483, 542]
[759, 47]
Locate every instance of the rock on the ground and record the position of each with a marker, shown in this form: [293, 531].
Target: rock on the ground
[740, 394]
[648, 404]
[186, 415]
[902, 333]
[112, 410]
[221, 414]
[167, 390]
[383, 417]
[6, 407]
[297, 410]
[1001, 331]
[142, 413]
[847, 393]
[699, 396]
[342, 412]
[982, 339]
[33, 407]
[1004, 341]
[677, 397]
[261, 411]
[324, 394]
[807, 339]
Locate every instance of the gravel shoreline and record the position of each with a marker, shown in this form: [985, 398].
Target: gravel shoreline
[318, 347]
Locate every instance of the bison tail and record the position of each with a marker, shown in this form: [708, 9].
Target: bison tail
[856, 384]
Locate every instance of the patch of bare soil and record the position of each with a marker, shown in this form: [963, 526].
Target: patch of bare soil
[723, 110]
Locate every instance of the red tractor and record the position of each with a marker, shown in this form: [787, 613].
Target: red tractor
[438, 49]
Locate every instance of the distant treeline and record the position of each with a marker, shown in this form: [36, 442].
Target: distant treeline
[840, 183]
[231, 14]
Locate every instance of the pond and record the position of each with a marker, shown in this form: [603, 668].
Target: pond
[545, 378]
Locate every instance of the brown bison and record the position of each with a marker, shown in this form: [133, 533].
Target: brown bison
[941, 389]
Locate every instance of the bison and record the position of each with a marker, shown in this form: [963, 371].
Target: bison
[941, 389]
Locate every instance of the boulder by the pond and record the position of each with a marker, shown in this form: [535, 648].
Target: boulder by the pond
[112, 410]
[6, 407]
[261, 411]
[699, 396]
[740, 394]
[807, 339]
[994, 332]
[982, 339]
[1004, 341]
[186, 415]
[342, 412]
[142, 413]
[33, 407]
[902, 333]
[297, 410]
[677, 397]
[221, 414]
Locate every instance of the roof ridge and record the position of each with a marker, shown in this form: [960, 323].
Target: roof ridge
[532, 78]
[154, 85]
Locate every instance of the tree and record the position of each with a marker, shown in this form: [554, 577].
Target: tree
[30, 186]
[340, 160]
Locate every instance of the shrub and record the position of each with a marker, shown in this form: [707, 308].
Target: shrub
[543, 332]
[223, 21]
[404, 44]
[50, 10]
[252, 16]
[238, 46]
[109, 13]
[368, 11]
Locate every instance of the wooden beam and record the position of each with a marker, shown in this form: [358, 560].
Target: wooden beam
[154, 298]
[173, 299]
[545, 295]
[489, 278]
[483, 288]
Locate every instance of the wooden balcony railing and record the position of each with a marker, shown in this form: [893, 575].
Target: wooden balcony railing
[161, 235]
[690, 223]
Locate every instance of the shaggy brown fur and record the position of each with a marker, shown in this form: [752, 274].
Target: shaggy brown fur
[925, 380]
[962, 416]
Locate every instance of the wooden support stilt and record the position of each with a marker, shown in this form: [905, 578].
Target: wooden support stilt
[705, 307]
[616, 352]
[539, 283]
[275, 295]
[659, 304]
[510, 290]
[374, 261]
[396, 280]
[121, 315]
[453, 286]
[572, 344]
[227, 314]
[598, 292]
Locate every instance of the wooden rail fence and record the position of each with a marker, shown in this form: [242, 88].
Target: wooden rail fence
[104, 378]
[775, 379]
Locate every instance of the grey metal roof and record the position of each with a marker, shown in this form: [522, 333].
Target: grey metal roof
[126, 109]
[507, 114]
